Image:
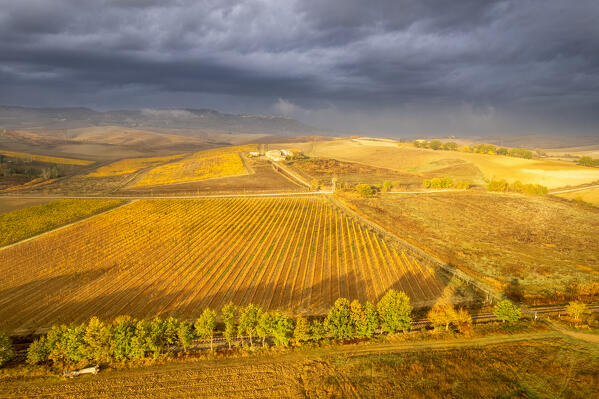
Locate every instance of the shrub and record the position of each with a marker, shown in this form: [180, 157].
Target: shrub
[463, 184]
[394, 311]
[318, 330]
[434, 144]
[442, 315]
[588, 161]
[338, 321]
[386, 186]
[6, 350]
[507, 311]
[520, 153]
[301, 333]
[465, 148]
[497, 185]
[502, 151]
[38, 351]
[576, 309]
[450, 146]
[364, 190]
[438, 182]
[463, 320]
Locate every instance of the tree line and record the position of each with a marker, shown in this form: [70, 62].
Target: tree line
[517, 187]
[479, 148]
[445, 182]
[129, 339]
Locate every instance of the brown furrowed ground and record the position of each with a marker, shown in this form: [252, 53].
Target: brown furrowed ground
[550, 246]
[157, 257]
[541, 368]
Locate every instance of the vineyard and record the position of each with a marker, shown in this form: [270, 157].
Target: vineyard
[131, 165]
[45, 158]
[176, 257]
[199, 166]
[22, 223]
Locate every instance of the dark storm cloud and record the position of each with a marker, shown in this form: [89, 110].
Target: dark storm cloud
[471, 65]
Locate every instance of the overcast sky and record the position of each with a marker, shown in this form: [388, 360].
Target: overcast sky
[394, 67]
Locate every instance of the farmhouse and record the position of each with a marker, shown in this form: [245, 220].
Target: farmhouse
[275, 155]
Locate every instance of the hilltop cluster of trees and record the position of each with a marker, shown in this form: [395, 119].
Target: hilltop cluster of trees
[436, 145]
[127, 339]
[517, 187]
[479, 148]
[588, 161]
[445, 182]
[494, 150]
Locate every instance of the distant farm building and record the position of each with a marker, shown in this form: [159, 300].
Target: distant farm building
[275, 155]
[253, 154]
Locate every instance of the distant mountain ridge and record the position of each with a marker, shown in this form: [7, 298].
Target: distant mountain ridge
[15, 117]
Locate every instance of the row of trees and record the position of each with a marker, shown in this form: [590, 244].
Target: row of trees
[436, 145]
[517, 187]
[494, 150]
[479, 148]
[128, 339]
[588, 161]
[445, 182]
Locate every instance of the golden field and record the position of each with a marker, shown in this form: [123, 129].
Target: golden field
[199, 166]
[481, 167]
[26, 222]
[46, 158]
[131, 165]
[590, 195]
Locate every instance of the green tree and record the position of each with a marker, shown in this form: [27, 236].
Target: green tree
[171, 331]
[185, 334]
[301, 333]
[281, 328]
[68, 344]
[97, 340]
[386, 186]
[123, 331]
[318, 330]
[229, 312]
[338, 322]
[358, 319]
[463, 319]
[364, 190]
[38, 351]
[372, 320]
[434, 144]
[6, 350]
[141, 339]
[576, 309]
[157, 337]
[442, 315]
[395, 311]
[265, 326]
[248, 321]
[205, 326]
[450, 146]
[507, 311]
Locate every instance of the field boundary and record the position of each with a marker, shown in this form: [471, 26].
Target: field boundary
[64, 226]
[415, 251]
